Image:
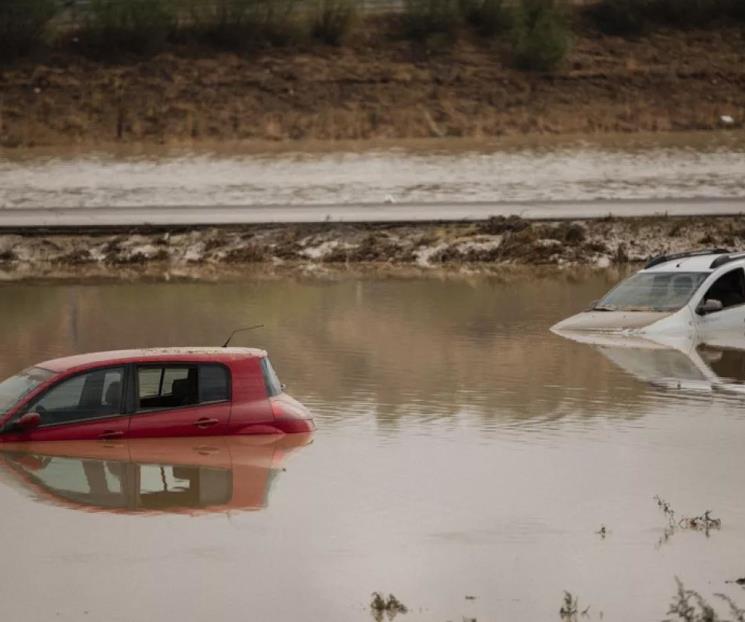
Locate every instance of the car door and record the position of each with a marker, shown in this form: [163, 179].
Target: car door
[179, 399]
[83, 406]
[729, 289]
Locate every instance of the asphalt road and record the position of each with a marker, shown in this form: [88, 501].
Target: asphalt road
[205, 215]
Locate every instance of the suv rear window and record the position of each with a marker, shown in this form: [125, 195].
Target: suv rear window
[173, 386]
[273, 385]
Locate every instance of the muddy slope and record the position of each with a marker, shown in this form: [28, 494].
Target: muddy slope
[377, 88]
[478, 246]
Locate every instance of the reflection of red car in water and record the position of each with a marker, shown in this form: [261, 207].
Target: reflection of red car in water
[215, 474]
[169, 392]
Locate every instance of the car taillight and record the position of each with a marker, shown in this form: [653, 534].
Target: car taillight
[277, 409]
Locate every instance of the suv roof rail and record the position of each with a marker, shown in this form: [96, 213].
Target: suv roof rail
[655, 261]
[725, 259]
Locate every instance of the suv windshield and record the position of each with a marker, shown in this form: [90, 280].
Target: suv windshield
[14, 388]
[652, 291]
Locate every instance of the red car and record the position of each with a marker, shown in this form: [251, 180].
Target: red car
[166, 392]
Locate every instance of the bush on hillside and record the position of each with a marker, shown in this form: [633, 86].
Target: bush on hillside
[424, 18]
[487, 17]
[333, 19]
[541, 35]
[242, 24]
[634, 17]
[23, 24]
[137, 26]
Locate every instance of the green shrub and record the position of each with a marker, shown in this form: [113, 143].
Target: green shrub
[22, 25]
[241, 24]
[541, 36]
[487, 17]
[634, 17]
[620, 17]
[423, 18]
[138, 26]
[333, 19]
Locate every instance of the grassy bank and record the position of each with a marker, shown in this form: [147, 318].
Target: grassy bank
[478, 246]
[442, 68]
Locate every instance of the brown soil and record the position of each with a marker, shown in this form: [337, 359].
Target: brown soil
[479, 246]
[377, 88]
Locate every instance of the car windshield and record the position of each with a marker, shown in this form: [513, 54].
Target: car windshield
[14, 388]
[652, 291]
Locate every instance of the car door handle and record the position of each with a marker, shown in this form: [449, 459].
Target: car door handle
[206, 422]
[111, 434]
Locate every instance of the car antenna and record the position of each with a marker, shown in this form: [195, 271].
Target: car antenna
[240, 330]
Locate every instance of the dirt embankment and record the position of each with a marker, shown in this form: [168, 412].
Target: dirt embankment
[479, 247]
[378, 88]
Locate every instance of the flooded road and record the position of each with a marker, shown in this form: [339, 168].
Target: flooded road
[663, 167]
[462, 450]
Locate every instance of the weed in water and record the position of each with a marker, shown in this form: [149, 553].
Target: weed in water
[689, 606]
[665, 507]
[705, 522]
[602, 532]
[379, 605]
[569, 607]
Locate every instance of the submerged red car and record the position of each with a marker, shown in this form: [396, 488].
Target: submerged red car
[167, 392]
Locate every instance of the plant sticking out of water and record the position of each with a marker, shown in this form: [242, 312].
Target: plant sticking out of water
[569, 607]
[665, 507]
[602, 532]
[705, 522]
[392, 607]
[690, 606]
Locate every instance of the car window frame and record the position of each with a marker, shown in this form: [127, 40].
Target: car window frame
[35, 399]
[715, 279]
[184, 364]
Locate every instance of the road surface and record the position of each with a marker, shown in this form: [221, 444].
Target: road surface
[196, 215]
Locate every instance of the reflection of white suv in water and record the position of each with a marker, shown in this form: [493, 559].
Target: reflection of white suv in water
[699, 292]
[680, 363]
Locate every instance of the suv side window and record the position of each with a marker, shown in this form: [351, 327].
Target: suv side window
[174, 386]
[729, 289]
[91, 395]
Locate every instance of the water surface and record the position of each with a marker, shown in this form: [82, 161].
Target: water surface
[462, 450]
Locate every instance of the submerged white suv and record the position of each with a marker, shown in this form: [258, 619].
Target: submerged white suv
[692, 292]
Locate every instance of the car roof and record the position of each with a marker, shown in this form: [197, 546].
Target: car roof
[695, 263]
[148, 355]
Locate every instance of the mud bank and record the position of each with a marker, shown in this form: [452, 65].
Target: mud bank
[377, 88]
[484, 246]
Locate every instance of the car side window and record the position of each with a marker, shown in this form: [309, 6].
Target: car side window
[92, 395]
[167, 386]
[174, 386]
[214, 384]
[729, 289]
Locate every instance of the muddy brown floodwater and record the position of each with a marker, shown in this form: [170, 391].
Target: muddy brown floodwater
[463, 451]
